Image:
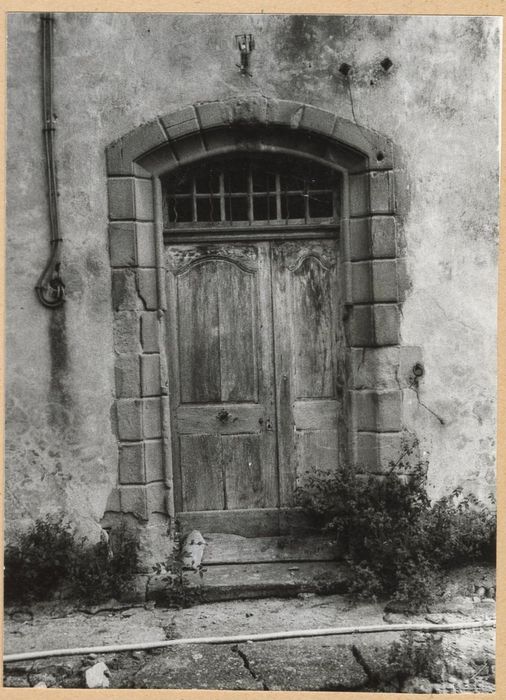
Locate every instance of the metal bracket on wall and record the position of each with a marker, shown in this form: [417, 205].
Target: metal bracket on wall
[50, 288]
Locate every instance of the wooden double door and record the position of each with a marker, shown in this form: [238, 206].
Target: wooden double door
[253, 338]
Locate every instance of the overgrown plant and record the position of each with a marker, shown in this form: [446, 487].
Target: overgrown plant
[395, 540]
[50, 556]
[414, 655]
[177, 592]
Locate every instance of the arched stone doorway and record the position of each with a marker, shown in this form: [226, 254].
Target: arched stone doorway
[368, 273]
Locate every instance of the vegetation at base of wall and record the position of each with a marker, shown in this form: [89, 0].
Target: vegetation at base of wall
[50, 557]
[178, 593]
[415, 655]
[396, 542]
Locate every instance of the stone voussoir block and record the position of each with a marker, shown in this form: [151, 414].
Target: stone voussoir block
[286, 112]
[180, 123]
[213, 114]
[150, 375]
[189, 148]
[129, 413]
[121, 154]
[248, 110]
[131, 463]
[122, 246]
[153, 455]
[379, 411]
[378, 149]
[134, 500]
[319, 120]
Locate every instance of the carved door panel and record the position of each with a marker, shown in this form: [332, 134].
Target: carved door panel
[305, 297]
[221, 377]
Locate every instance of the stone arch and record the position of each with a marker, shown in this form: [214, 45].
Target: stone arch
[378, 367]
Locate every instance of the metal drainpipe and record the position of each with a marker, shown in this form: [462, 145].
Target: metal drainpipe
[50, 288]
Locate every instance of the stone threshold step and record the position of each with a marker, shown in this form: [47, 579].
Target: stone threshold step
[262, 580]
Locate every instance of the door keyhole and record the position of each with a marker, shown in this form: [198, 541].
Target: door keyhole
[223, 415]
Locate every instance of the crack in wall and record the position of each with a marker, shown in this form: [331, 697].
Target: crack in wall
[236, 649]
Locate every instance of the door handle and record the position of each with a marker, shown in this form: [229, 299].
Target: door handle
[268, 425]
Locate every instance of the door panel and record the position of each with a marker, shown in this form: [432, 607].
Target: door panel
[305, 299]
[222, 389]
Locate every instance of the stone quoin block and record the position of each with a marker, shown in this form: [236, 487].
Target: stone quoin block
[319, 120]
[129, 414]
[122, 153]
[122, 247]
[359, 326]
[382, 192]
[121, 197]
[387, 319]
[150, 332]
[359, 194]
[126, 332]
[372, 237]
[383, 237]
[374, 368]
[180, 123]
[145, 244]
[134, 500]
[147, 287]
[127, 376]
[143, 200]
[384, 280]
[124, 290]
[378, 410]
[156, 497]
[152, 418]
[131, 463]
[153, 455]
[375, 452]
[150, 375]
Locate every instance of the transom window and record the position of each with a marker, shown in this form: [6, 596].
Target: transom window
[251, 190]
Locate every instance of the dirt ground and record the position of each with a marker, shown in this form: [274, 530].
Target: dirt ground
[351, 662]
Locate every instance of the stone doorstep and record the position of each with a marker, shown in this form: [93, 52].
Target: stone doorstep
[221, 582]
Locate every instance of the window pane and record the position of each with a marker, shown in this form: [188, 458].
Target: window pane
[264, 208]
[292, 181]
[236, 208]
[293, 206]
[320, 205]
[237, 180]
[208, 209]
[208, 182]
[264, 181]
[182, 184]
[180, 209]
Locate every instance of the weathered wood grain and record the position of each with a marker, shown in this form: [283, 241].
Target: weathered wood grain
[204, 418]
[254, 522]
[234, 549]
[201, 471]
[315, 414]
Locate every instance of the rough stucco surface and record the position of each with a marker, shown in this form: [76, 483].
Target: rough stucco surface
[439, 105]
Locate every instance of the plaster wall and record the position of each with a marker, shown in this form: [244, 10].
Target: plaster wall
[438, 103]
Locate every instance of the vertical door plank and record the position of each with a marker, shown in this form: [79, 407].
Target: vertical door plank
[198, 325]
[202, 473]
[237, 321]
[242, 463]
